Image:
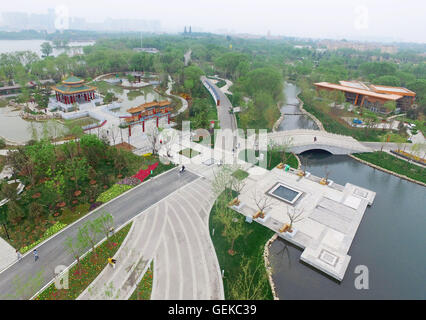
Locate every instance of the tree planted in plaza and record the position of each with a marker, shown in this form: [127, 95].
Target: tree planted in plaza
[262, 201]
[294, 216]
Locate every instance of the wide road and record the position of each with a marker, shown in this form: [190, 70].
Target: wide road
[20, 280]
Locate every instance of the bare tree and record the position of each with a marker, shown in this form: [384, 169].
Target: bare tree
[262, 201]
[238, 185]
[305, 164]
[168, 139]
[294, 215]
[326, 173]
[153, 137]
[222, 180]
[113, 132]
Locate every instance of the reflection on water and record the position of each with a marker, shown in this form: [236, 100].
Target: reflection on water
[293, 119]
[15, 129]
[390, 240]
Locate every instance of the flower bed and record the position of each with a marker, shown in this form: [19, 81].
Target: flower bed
[144, 288]
[409, 156]
[144, 173]
[93, 206]
[91, 267]
[130, 181]
[49, 232]
[113, 192]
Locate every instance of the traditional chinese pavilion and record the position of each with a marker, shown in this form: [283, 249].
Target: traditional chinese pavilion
[148, 111]
[74, 90]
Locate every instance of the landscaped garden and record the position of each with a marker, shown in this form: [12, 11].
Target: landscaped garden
[389, 162]
[241, 258]
[65, 182]
[87, 269]
[144, 289]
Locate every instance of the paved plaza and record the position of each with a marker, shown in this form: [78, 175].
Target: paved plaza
[174, 234]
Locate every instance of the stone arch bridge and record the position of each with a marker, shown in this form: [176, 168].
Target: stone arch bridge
[300, 141]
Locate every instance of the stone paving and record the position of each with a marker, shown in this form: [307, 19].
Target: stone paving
[174, 234]
[331, 213]
[7, 254]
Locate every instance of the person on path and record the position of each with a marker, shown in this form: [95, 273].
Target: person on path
[18, 254]
[112, 262]
[182, 169]
[315, 139]
[35, 253]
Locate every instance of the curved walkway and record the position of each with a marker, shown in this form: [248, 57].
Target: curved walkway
[169, 92]
[174, 233]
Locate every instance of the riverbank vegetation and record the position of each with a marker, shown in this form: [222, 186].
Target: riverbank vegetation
[391, 163]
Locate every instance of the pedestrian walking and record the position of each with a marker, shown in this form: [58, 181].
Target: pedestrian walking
[19, 255]
[35, 253]
[315, 139]
[112, 262]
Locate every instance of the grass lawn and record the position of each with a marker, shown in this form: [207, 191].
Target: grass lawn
[90, 267]
[81, 122]
[103, 87]
[333, 124]
[221, 83]
[240, 174]
[144, 288]
[189, 153]
[133, 94]
[250, 246]
[389, 162]
[274, 158]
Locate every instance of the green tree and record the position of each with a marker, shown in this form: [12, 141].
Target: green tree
[46, 49]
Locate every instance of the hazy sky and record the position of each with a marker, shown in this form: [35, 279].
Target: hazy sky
[363, 19]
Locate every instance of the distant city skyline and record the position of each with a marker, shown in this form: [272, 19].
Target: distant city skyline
[363, 20]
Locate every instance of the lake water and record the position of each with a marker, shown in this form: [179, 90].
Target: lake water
[13, 128]
[390, 241]
[293, 119]
[8, 46]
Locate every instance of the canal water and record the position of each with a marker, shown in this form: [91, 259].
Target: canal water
[293, 118]
[390, 241]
